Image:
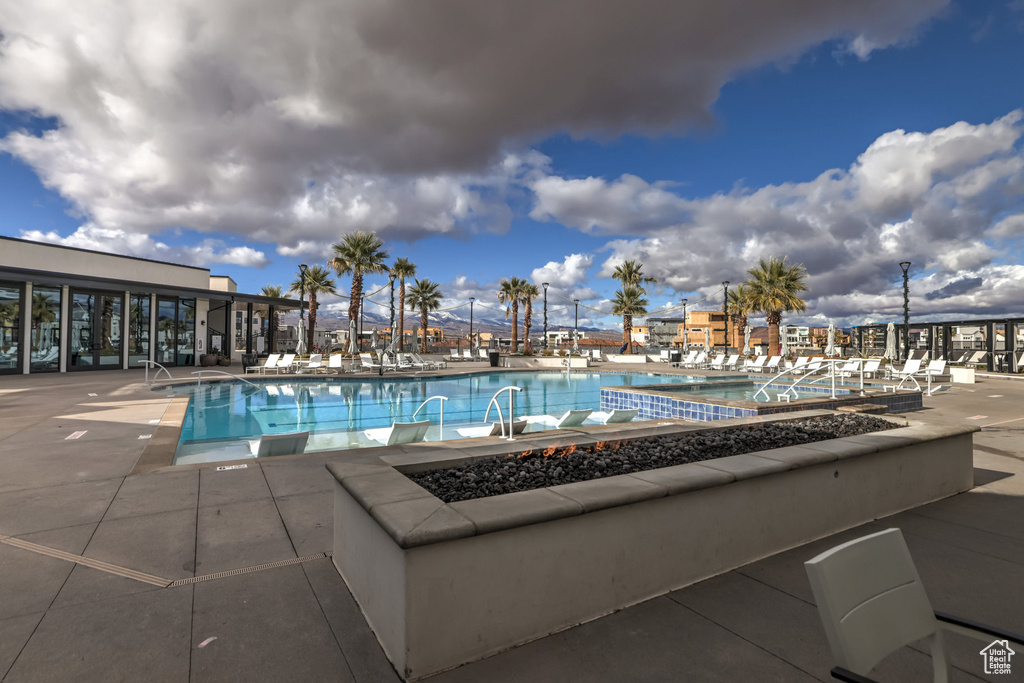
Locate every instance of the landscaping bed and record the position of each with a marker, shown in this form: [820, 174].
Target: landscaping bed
[553, 466]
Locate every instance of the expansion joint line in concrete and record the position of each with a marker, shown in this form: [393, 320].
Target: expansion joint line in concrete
[149, 578]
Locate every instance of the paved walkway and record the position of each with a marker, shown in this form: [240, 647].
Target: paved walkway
[296, 621]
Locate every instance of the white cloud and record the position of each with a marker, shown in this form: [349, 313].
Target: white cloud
[949, 201]
[206, 253]
[296, 122]
[565, 275]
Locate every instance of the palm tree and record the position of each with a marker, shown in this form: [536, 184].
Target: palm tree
[631, 274]
[317, 280]
[401, 270]
[511, 293]
[739, 307]
[358, 253]
[275, 322]
[530, 292]
[426, 296]
[629, 301]
[773, 287]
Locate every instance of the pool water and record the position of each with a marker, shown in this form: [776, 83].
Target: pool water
[223, 417]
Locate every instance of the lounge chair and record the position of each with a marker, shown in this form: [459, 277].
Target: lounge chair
[772, 365]
[872, 602]
[755, 365]
[482, 353]
[316, 363]
[404, 362]
[494, 429]
[595, 354]
[731, 362]
[335, 363]
[270, 362]
[614, 416]
[572, 418]
[467, 354]
[698, 360]
[936, 368]
[270, 445]
[286, 364]
[911, 367]
[399, 432]
[801, 362]
[690, 357]
[717, 362]
[388, 364]
[366, 362]
[454, 355]
[428, 364]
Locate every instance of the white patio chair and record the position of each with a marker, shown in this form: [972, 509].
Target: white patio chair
[286, 364]
[270, 362]
[731, 362]
[698, 360]
[772, 364]
[872, 603]
[270, 445]
[936, 368]
[467, 354]
[614, 416]
[454, 355]
[755, 365]
[717, 362]
[911, 367]
[571, 418]
[316, 363]
[334, 362]
[399, 432]
[366, 362]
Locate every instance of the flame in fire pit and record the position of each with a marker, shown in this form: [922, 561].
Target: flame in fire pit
[549, 451]
[611, 445]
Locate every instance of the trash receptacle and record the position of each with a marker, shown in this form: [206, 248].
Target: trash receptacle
[493, 356]
[249, 360]
[675, 356]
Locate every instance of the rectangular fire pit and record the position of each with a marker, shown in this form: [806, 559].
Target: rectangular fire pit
[445, 584]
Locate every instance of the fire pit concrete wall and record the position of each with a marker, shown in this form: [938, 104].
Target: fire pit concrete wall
[445, 584]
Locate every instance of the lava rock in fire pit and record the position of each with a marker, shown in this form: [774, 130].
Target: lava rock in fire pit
[519, 472]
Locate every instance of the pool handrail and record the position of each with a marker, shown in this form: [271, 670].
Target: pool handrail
[199, 379]
[791, 390]
[511, 412]
[151, 363]
[440, 398]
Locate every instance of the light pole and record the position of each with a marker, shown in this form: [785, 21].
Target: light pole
[686, 342]
[302, 295]
[471, 345]
[545, 286]
[725, 309]
[576, 325]
[362, 301]
[905, 265]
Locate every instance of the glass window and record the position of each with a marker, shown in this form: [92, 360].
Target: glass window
[186, 331]
[166, 324]
[45, 329]
[10, 326]
[138, 329]
[109, 334]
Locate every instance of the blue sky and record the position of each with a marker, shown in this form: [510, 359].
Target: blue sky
[696, 140]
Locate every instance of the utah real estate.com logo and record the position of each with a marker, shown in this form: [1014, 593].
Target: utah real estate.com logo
[997, 657]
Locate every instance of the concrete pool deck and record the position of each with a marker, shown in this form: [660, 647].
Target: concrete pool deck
[61, 620]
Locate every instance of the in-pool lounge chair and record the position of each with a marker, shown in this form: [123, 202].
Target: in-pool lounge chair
[614, 416]
[494, 429]
[572, 418]
[399, 432]
[270, 445]
[270, 362]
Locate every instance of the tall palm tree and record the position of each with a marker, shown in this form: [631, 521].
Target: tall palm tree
[739, 307]
[773, 287]
[358, 253]
[530, 292]
[631, 274]
[401, 270]
[317, 281]
[629, 301]
[511, 293]
[276, 292]
[426, 296]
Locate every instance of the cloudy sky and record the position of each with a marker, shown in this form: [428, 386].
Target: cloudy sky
[544, 140]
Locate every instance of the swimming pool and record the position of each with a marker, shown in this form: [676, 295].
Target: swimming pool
[223, 417]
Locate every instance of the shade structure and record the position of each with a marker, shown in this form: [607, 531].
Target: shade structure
[830, 346]
[300, 348]
[890, 343]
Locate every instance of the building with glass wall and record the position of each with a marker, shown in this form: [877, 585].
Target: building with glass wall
[64, 310]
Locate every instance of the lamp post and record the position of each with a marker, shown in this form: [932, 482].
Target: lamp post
[545, 286]
[686, 342]
[302, 295]
[576, 325]
[725, 310]
[362, 301]
[905, 265]
[471, 345]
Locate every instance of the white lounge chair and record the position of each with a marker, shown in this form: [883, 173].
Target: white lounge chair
[595, 354]
[316, 363]
[698, 360]
[286, 364]
[572, 418]
[872, 602]
[270, 445]
[399, 432]
[494, 429]
[936, 368]
[911, 367]
[366, 362]
[334, 362]
[731, 362]
[454, 355]
[717, 362]
[690, 357]
[772, 365]
[467, 354]
[270, 362]
[801, 362]
[755, 365]
[614, 416]
[428, 364]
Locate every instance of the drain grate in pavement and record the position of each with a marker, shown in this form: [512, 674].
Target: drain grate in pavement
[87, 561]
[249, 570]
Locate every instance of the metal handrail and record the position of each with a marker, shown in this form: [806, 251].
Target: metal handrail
[440, 398]
[791, 390]
[149, 364]
[511, 411]
[199, 379]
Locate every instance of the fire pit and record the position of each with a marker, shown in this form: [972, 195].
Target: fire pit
[442, 584]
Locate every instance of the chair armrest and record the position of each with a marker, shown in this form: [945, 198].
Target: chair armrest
[841, 674]
[976, 630]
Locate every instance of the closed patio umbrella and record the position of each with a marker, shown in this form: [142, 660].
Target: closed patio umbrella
[830, 347]
[746, 341]
[300, 348]
[352, 336]
[890, 343]
[373, 338]
[784, 351]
